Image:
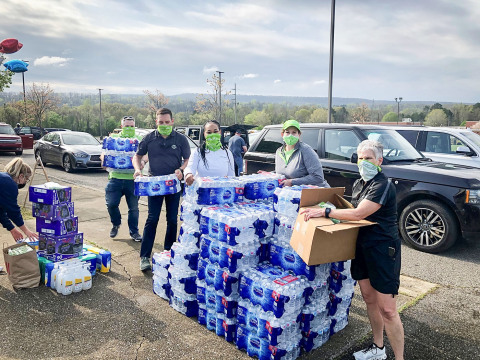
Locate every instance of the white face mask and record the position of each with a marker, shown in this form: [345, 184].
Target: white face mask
[368, 170]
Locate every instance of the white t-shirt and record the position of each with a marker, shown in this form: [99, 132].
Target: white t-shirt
[217, 161]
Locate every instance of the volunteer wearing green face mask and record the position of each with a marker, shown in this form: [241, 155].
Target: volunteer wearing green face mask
[296, 160]
[211, 158]
[121, 184]
[168, 153]
[377, 261]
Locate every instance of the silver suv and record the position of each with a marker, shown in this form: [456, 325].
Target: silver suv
[449, 145]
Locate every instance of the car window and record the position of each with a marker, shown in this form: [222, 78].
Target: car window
[48, 137]
[439, 142]
[55, 137]
[410, 135]
[26, 130]
[340, 144]
[180, 130]
[7, 129]
[395, 146]
[473, 137]
[194, 134]
[79, 139]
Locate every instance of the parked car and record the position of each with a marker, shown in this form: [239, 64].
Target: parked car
[37, 132]
[70, 149]
[194, 132]
[457, 146]
[9, 140]
[55, 129]
[437, 202]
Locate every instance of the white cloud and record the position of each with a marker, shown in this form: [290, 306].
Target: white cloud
[277, 81]
[209, 70]
[248, 76]
[51, 60]
[319, 82]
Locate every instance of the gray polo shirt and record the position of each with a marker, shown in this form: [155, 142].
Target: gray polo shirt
[165, 155]
[236, 144]
[303, 167]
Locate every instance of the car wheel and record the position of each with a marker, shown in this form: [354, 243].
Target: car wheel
[428, 226]
[18, 153]
[67, 163]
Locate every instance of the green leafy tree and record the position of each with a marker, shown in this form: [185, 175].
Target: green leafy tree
[302, 115]
[436, 117]
[340, 114]
[5, 79]
[390, 117]
[258, 118]
[319, 115]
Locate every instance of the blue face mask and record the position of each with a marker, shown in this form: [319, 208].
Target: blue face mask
[368, 170]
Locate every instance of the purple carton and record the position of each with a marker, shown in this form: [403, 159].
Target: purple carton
[57, 227]
[53, 212]
[58, 248]
[41, 194]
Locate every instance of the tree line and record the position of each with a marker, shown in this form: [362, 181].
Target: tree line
[81, 112]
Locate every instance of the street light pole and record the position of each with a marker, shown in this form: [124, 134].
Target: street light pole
[330, 67]
[101, 118]
[235, 103]
[220, 95]
[398, 101]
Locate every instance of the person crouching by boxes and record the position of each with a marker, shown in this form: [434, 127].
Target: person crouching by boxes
[376, 266]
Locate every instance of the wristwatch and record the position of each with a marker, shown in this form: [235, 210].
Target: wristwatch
[327, 212]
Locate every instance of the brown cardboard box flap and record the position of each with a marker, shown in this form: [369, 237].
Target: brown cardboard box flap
[312, 197]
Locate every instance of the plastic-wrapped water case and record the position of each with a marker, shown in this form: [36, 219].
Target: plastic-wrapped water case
[157, 185]
[214, 191]
[184, 303]
[260, 186]
[120, 144]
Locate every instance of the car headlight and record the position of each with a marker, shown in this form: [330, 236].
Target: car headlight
[473, 197]
[80, 154]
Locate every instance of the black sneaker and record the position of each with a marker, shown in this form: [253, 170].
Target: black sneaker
[114, 231]
[136, 237]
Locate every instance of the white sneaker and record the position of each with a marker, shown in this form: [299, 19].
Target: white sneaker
[371, 353]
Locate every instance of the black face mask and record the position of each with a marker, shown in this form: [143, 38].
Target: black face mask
[21, 186]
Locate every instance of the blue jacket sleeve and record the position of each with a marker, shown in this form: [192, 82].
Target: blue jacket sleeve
[9, 209]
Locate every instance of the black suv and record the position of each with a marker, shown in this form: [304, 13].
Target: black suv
[435, 200]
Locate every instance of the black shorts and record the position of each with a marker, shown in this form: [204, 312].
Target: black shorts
[379, 263]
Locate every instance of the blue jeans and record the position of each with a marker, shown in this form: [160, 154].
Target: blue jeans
[154, 208]
[116, 188]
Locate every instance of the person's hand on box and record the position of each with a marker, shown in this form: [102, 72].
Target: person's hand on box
[31, 234]
[286, 182]
[313, 213]
[16, 234]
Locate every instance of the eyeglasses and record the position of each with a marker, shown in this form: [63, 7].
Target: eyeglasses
[130, 118]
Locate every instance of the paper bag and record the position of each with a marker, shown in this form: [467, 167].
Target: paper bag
[23, 270]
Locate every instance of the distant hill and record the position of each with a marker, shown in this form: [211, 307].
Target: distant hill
[76, 99]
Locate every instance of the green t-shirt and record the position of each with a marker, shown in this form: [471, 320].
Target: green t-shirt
[286, 155]
[122, 175]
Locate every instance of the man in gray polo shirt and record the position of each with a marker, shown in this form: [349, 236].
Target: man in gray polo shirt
[166, 151]
[237, 145]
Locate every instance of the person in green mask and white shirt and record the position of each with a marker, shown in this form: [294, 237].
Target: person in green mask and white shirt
[211, 158]
[296, 160]
[121, 184]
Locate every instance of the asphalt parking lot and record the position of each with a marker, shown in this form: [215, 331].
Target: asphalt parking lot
[120, 317]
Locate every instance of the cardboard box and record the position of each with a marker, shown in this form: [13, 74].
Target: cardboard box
[58, 248]
[319, 240]
[57, 227]
[40, 194]
[53, 212]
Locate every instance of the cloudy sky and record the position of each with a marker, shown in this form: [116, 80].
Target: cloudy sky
[420, 50]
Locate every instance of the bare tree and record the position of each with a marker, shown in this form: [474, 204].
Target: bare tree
[155, 100]
[210, 102]
[41, 99]
[361, 114]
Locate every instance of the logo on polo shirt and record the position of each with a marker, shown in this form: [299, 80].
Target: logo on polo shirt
[174, 146]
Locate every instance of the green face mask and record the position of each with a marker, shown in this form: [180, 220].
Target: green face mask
[212, 141]
[128, 132]
[290, 139]
[165, 130]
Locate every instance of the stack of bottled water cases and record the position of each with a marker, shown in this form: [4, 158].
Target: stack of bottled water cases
[118, 153]
[234, 269]
[160, 265]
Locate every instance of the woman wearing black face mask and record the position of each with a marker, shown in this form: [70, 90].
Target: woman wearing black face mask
[16, 175]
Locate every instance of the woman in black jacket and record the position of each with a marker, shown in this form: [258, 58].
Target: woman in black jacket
[16, 175]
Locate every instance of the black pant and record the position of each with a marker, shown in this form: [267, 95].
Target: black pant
[236, 170]
[154, 208]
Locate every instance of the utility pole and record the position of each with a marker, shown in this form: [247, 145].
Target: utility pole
[220, 95]
[398, 100]
[330, 67]
[235, 103]
[101, 118]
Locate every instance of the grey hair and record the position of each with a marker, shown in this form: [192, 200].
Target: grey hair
[17, 167]
[373, 145]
